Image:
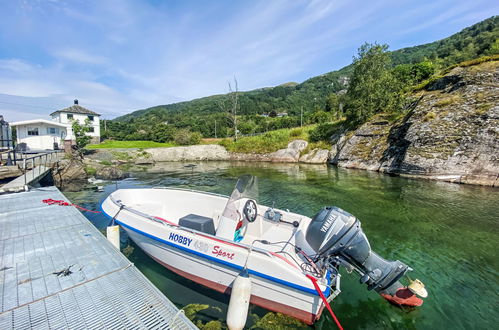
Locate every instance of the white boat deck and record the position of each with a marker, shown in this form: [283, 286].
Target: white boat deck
[58, 271]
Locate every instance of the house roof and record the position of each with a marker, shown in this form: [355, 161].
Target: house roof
[37, 121]
[76, 109]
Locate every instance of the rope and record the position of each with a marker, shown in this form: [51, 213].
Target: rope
[111, 223]
[60, 202]
[314, 281]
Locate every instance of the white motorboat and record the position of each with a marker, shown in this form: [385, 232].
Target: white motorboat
[209, 238]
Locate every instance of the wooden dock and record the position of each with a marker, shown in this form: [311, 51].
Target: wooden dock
[58, 271]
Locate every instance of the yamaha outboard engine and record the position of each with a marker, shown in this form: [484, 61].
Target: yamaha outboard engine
[338, 240]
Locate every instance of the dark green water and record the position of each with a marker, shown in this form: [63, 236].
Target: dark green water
[447, 232]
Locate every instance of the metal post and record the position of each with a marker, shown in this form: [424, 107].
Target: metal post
[24, 167]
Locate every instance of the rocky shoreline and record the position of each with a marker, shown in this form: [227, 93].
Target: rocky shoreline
[449, 133]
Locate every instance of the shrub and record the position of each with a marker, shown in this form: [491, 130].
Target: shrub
[185, 137]
[296, 132]
[323, 132]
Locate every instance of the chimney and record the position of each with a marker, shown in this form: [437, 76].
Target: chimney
[76, 101]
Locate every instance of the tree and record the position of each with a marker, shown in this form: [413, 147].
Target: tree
[372, 86]
[230, 104]
[81, 138]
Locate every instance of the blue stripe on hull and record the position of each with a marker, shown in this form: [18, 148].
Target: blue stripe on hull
[225, 263]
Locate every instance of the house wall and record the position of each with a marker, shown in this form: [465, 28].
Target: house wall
[62, 117]
[43, 140]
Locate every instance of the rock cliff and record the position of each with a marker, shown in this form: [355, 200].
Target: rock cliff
[451, 132]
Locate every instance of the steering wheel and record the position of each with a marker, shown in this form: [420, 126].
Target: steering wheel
[250, 210]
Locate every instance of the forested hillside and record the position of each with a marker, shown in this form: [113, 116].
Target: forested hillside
[320, 98]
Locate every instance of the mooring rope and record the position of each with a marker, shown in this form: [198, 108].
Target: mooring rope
[61, 202]
[314, 281]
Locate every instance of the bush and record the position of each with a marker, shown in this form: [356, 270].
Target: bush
[296, 132]
[185, 137]
[323, 132]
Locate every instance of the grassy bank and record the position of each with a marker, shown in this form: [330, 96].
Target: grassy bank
[264, 143]
[110, 144]
[267, 142]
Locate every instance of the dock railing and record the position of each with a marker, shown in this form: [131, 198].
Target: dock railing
[37, 161]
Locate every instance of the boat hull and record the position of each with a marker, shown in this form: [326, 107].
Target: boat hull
[220, 278]
[278, 283]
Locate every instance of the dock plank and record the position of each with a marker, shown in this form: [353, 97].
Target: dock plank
[103, 288]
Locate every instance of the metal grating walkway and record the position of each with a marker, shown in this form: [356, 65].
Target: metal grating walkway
[101, 290]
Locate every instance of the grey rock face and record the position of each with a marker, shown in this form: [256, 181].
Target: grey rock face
[316, 156]
[291, 154]
[451, 133]
[191, 153]
[68, 170]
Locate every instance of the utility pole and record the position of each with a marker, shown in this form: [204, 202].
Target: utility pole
[215, 128]
[301, 116]
[234, 98]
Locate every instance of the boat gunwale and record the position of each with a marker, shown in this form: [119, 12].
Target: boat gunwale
[189, 230]
[118, 203]
[327, 291]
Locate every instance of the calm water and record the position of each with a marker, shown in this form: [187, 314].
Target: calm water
[447, 232]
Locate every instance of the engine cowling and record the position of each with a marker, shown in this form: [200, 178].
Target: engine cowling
[335, 233]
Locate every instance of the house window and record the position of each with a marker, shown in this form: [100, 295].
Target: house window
[32, 130]
[91, 129]
[70, 116]
[52, 130]
[91, 118]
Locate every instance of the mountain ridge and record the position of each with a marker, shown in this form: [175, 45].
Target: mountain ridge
[471, 42]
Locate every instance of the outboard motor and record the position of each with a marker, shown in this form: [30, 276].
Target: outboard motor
[338, 240]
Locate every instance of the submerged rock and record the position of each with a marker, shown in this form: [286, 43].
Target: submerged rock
[111, 173]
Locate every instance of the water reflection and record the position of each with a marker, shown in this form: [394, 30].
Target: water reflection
[447, 232]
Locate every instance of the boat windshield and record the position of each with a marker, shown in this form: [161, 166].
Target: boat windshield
[246, 188]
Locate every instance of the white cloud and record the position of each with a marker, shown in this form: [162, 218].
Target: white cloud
[15, 65]
[29, 88]
[76, 55]
[117, 56]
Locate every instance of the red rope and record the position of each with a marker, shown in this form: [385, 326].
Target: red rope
[51, 201]
[314, 281]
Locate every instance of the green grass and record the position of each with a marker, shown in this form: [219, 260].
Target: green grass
[315, 145]
[445, 71]
[267, 142]
[111, 144]
[90, 170]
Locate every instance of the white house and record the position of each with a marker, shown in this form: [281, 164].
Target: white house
[40, 134]
[77, 112]
[45, 134]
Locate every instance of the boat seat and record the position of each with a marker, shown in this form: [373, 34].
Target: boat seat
[198, 222]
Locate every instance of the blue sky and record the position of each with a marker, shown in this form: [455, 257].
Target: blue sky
[117, 56]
